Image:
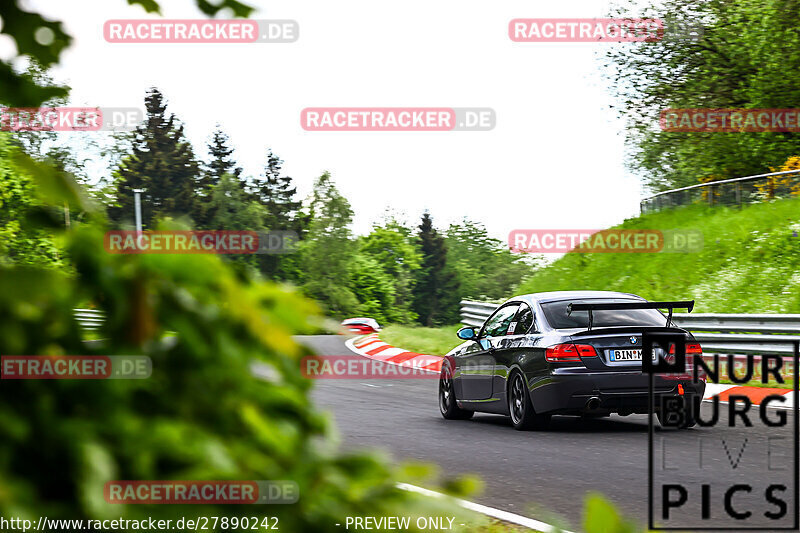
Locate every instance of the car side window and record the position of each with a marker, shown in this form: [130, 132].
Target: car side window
[499, 323]
[525, 320]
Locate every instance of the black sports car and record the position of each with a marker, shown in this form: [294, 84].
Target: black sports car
[567, 352]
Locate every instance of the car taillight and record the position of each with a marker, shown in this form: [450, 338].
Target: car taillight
[586, 350]
[692, 348]
[569, 353]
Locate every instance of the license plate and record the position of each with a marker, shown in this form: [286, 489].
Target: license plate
[625, 355]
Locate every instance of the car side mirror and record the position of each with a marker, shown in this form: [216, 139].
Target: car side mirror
[467, 333]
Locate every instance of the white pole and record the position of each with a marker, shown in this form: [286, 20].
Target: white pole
[137, 200]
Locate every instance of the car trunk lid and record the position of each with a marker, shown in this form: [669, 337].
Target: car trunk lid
[619, 348]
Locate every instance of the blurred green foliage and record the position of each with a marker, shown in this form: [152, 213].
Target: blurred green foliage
[202, 415]
[18, 206]
[601, 516]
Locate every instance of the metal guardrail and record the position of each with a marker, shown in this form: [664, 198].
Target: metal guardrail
[718, 333]
[735, 191]
[476, 313]
[89, 319]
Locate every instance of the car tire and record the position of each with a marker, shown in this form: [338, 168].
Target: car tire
[520, 408]
[448, 405]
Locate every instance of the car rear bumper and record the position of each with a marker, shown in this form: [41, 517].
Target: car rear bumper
[570, 392]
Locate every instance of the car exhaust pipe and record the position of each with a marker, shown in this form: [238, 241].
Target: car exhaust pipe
[592, 403]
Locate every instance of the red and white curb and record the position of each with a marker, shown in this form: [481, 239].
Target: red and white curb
[372, 347]
[755, 394]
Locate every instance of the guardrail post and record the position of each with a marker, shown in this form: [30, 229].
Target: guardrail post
[738, 194]
[711, 195]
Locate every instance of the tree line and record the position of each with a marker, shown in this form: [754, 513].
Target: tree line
[743, 57]
[398, 272]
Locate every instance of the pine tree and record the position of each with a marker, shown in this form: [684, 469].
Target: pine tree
[221, 161]
[436, 291]
[276, 193]
[162, 163]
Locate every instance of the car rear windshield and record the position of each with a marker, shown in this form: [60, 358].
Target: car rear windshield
[556, 315]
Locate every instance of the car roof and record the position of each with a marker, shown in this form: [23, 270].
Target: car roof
[554, 296]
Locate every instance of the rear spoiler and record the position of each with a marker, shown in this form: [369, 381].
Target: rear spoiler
[683, 304]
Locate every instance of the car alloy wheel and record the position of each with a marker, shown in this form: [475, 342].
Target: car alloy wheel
[517, 402]
[445, 393]
[447, 398]
[523, 414]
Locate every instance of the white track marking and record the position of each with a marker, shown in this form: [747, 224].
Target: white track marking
[499, 514]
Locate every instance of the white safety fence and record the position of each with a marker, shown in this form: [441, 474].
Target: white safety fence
[89, 319]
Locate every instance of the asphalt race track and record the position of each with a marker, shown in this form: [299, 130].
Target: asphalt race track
[547, 474]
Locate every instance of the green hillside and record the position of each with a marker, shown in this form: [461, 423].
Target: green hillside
[750, 261]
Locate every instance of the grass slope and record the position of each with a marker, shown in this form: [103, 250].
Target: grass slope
[431, 341]
[750, 261]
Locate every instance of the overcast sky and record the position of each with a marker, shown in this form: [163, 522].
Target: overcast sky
[554, 159]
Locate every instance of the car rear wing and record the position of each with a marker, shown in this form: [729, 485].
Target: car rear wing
[613, 306]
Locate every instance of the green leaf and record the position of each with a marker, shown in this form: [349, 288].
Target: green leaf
[53, 186]
[21, 91]
[151, 6]
[601, 516]
[22, 26]
[239, 9]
